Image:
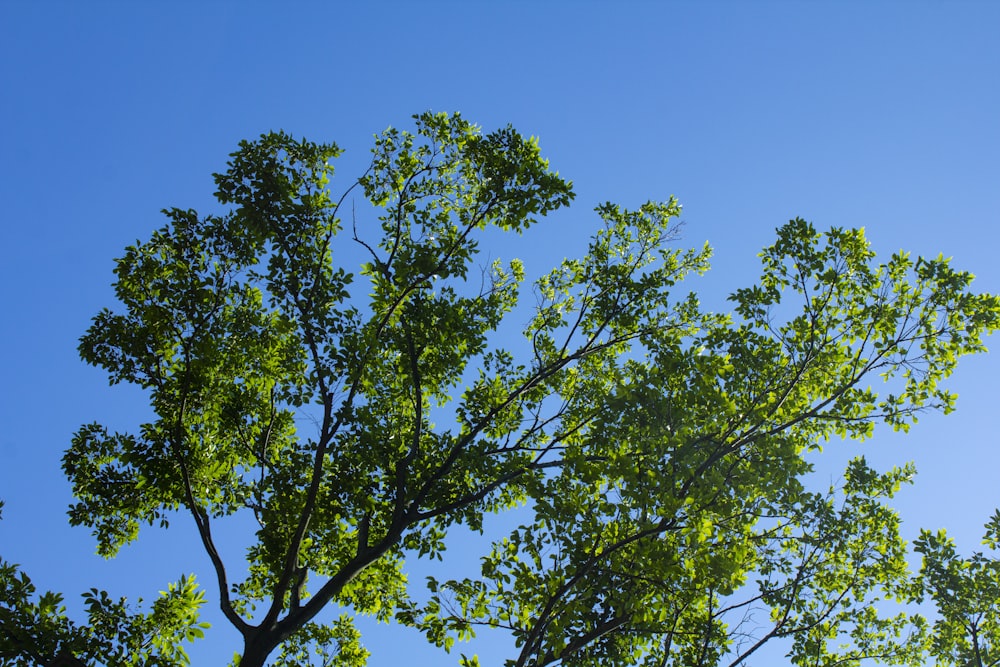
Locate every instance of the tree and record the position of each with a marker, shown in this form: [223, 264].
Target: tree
[966, 594]
[38, 631]
[654, 450]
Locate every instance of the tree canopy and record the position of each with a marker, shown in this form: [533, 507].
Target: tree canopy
[360, 383]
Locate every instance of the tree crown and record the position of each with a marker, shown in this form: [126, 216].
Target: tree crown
[358, 410]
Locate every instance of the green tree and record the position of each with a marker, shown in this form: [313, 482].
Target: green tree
[359, 411]
[35, 630]
[966, 595]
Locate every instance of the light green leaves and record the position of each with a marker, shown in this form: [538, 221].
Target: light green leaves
[337, 644]
[966, 594]
[350, 381]
[34, 629]
[681, 482]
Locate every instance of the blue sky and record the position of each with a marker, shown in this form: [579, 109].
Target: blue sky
[881, 115]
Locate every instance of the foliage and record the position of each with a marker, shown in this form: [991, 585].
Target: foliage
[966, 594]
[35, 629]
[361, 410]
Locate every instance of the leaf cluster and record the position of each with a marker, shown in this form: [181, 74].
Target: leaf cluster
[36, 631]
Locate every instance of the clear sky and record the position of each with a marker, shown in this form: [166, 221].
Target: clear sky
[874, 114]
